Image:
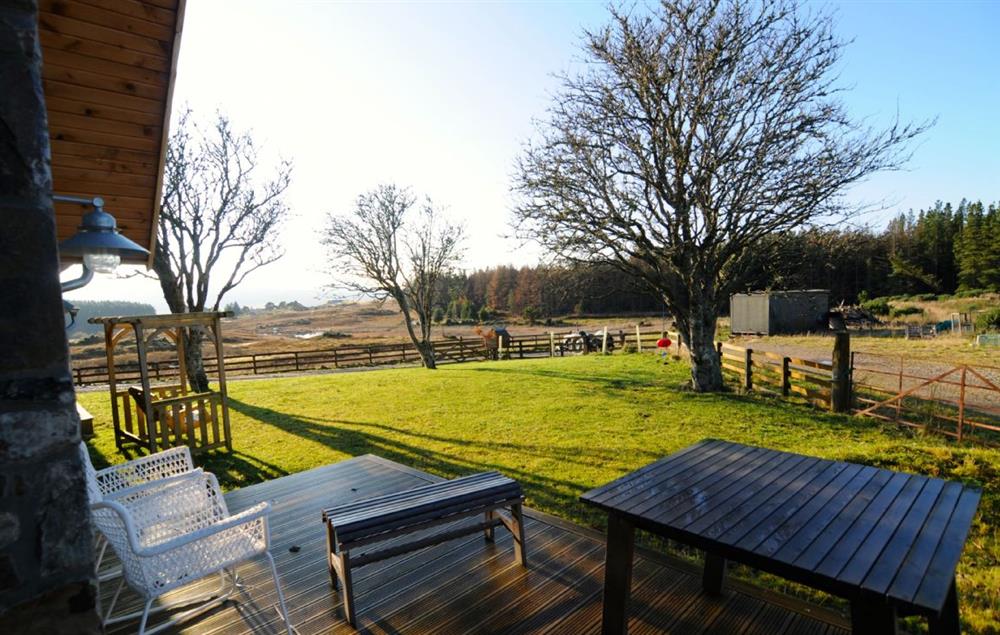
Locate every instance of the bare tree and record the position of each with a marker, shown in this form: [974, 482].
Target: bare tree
[219, 221]
[697, 130]
[381, 252]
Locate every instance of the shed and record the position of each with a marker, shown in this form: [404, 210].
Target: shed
[778, 312]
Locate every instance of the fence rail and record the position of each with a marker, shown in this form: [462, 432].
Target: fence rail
[789, 377]
[961, 401]
[448, 350]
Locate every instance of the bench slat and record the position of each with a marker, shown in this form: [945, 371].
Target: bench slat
[439, 488]
[399, 519]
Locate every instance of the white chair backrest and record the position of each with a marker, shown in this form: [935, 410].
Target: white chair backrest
[93, 487]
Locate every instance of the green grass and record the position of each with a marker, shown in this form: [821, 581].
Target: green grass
[561, 427]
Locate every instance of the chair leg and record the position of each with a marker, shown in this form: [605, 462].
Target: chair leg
[114, 600]
[145, 616]
[281, 596]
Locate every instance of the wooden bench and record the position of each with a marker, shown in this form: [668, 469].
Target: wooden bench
[86, 421]
[366, 522]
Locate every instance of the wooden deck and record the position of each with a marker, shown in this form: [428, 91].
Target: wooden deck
[469, 585]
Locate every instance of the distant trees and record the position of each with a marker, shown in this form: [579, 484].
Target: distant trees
[389, 247]
[699, 132]
[219, 221]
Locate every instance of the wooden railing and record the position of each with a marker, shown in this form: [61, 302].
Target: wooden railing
[789, 377]
[449, 350]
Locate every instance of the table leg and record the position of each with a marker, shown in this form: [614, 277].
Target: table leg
[947, 623]
[715, 573]
[869, 617]
[617, 575]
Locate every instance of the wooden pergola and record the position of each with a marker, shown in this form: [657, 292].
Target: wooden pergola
[166, 415]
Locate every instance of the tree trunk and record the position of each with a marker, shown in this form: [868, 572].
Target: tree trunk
[193, 337]
[426, 350]
[197, 377]
[706, 368]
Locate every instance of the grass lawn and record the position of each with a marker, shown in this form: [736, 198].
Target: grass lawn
[561, 427]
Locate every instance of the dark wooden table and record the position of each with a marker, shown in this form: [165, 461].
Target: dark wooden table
[886, 541]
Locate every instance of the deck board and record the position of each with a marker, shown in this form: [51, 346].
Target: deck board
[468, 585]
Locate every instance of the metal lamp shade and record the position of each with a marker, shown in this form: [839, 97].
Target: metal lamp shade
[98, 234]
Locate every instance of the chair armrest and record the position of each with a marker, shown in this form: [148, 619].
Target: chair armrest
[257, 513]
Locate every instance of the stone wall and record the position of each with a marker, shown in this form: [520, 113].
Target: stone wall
[46, 542]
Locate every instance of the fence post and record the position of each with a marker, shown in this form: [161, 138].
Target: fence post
[604, 342]
[786, 377]
[552, 344]
[638, 339]
[840, 384]
[748, 369]
[253, 358]
[296, 353]
[371, 360]
[961, 403]
[335, 363]
[520, 348]
[461, 348]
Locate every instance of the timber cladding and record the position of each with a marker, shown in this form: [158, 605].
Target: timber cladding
[108, 70]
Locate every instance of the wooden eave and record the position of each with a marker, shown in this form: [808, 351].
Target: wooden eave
[108, 68]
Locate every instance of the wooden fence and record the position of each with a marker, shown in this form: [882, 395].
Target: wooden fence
[961, 401]
[448, 350]
[789, 377]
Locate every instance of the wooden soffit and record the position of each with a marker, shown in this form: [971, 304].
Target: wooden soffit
[108, 69]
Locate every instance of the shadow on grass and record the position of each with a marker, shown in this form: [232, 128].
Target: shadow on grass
[543, 492]
[611, 382]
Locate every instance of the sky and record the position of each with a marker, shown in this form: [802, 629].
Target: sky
[441, 97]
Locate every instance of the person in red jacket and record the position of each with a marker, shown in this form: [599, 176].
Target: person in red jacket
[663, 345]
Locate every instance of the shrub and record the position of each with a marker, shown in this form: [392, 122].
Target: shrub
[485, 314]
[437, 315]
[877, 306]
[989, 321]
[902, 311]
[530, 314]
[925, 297]
[971, 293]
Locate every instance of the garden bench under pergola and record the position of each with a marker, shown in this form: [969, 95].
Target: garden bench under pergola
[166, 415]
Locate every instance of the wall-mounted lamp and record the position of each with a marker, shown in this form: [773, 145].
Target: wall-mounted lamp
[97, 242]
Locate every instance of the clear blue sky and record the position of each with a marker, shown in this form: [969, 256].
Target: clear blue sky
[441, 96]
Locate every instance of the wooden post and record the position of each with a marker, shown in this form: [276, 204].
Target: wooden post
[840, 387]
[520, 348]
[786, 377]
[748, 369]
[147, 404]
[604, 342]
[371, 360]
[296, 353]
[899, 402]
[638, 339]
[714, 574]
[617, 575]
[253, 359]
[223, 391]
[961, 403]
[461, 348]
[335, 363]
[552, 344]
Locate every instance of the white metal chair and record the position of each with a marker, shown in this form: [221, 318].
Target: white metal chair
[140, 474]
[178, 535]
